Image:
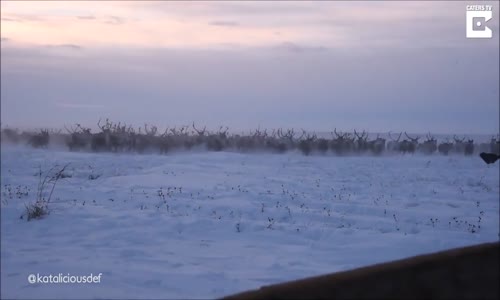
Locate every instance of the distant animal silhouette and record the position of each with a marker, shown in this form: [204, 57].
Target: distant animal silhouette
[489, 158]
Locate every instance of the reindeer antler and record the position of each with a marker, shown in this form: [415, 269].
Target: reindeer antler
[70, 132]
[412, 139]
[99, 124]
[200, 132]
[428, 136]
[303, 134]
[335, 131]
[363, 136]
[399, 137]
[290, 134]
[457, 140]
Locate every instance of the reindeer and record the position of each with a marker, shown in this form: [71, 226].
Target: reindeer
[153, 140]
[322, 145]
[409, 145]
[179, 138]
[469, 147]
[429, 146]
[79, 137]
[201, 138]
[259, 138]
[120, 137]
[148, 141]
[361, 144]
[283, 142]
[343, 143]
[140, 141]
[306, 142]
[273, 142]
[132, 137]
[394, 145]
[10, 135]
[102, 141]
[250, 142]
[165, 142]
[487, 147]
[113, 137]
[459, 146]
[40, 140]
[377, 146]
[25, 137]
[493, 146]
[57, 137]
[445, 147]
[185, 138]
[218, 141]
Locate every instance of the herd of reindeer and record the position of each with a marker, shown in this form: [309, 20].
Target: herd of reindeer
[121, 138]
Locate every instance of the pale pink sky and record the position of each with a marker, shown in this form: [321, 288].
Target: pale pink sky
[380, 66]
[217, 24]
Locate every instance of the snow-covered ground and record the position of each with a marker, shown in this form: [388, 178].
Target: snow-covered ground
[205, 225]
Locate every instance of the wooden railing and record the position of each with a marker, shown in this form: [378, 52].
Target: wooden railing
[463, 273]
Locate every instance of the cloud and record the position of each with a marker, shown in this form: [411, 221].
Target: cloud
[10, 20]
[89, 17]
[79, 106]
[225, 23]
[4, 39]
[221, 8]
[19, 18]
[296, 48]
[253, 24]
[65, 46]
[114, 20]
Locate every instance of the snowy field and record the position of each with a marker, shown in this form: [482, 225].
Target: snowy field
[206, 225]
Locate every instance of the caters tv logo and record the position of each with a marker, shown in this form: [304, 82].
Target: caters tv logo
[476, 18]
